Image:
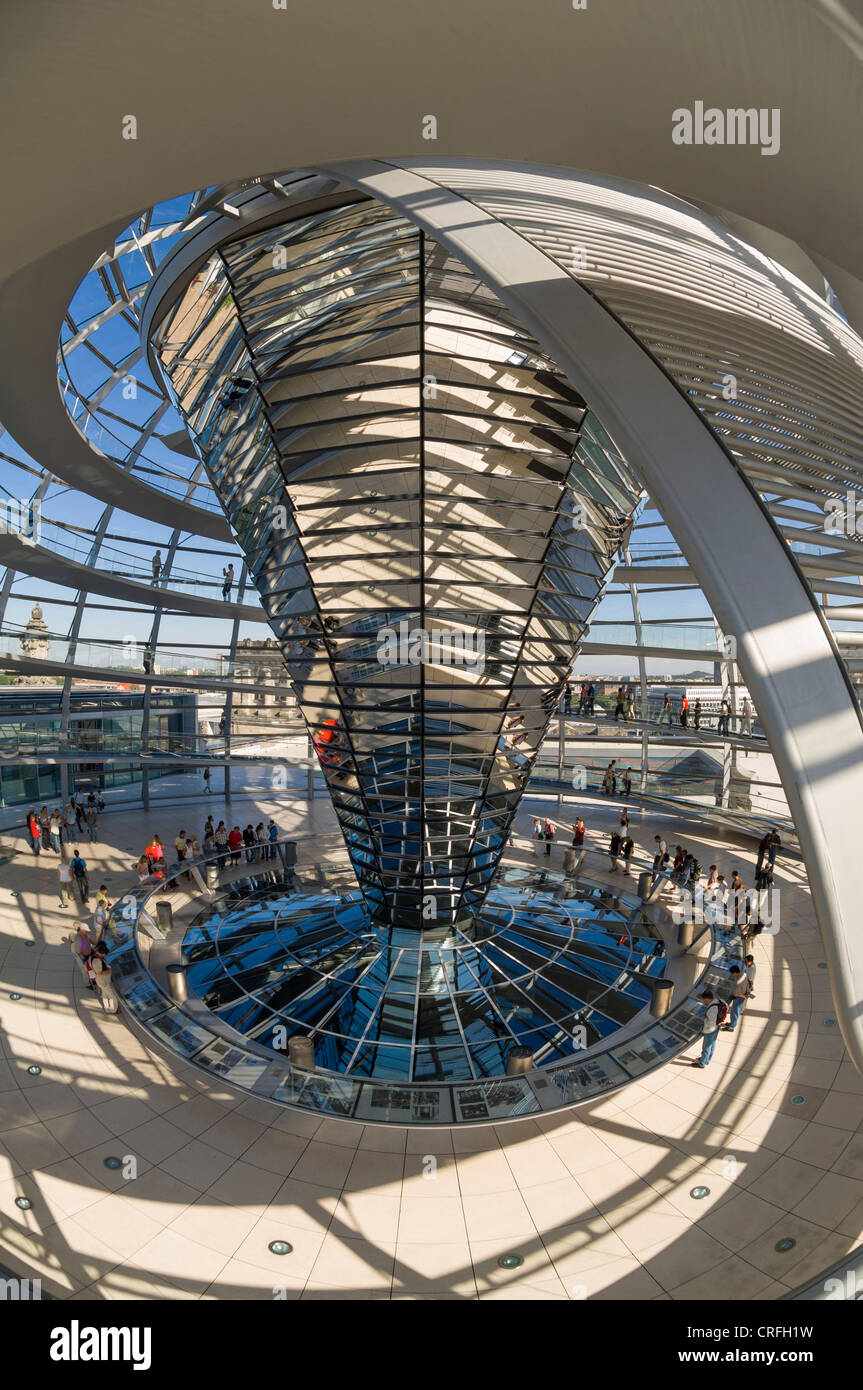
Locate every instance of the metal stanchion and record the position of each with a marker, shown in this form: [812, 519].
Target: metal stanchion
[212, 876]
[301, 1051]
[645, 879]
[661, 1001]
[177, 982]
[165, 917]
[686, 934]
[519, 1061]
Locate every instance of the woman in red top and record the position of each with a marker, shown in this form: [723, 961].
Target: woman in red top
[235, 840]
[34, 830]
[578, 833]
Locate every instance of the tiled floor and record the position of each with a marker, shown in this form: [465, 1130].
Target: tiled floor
[595, 1201]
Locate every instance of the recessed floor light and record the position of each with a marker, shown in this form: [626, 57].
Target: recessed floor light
[829, 1023]
[798, 1100]
[279, 1247]
[783, 1246]
[24, 1203]
[510, 1261]
[822, 965]
[113, 1162]
[14, 996]
[699, 1192]
[34, 1070]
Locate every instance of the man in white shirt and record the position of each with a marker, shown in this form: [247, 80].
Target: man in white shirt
[739, 993]
[709, 1029]
[746, 711]
[750, 969]
[64, 873]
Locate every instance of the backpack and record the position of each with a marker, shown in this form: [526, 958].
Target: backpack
[721, 1013]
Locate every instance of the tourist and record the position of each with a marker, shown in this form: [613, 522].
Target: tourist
[630, 702]
[142, 868]
[578, 833]
[763, 847]
[746, 712]
[64, 874]
[249, 842]
[101, 972]
[235, 840]
[696, 714]
[661, 856]
[55, 830]
[227, 581]
[774, 845]
[100, 916]
[684, 711]
[739, 992]
[155, 853]
[624, 822]
[627, 782]
[220, 836]
[751, 970]
[677, 866]
[180, 846]
[620, 705]
[582, 698]
[740, 898]
[92, 823]
[70, 833]
[157, 566]
[80, 878]
[262, 842]
[207, 787]
[709, 1029]
[609, 781]
[272, 837]
[567, 698]
[78, 941]
[34, 830]
[724, 713]
[627, 849]
[45, 827]
[549, 836]
[665, 716]
[591, 697]
[614, 850]
[148, 660]
[79, 812]
[100, 802]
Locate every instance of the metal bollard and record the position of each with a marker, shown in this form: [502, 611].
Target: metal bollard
[212, 876]
[290, 853]
[661, 1001]
[165, 917]
[569, 861]
[177, 982]
[686, 934]
[519, 1061]
[643, 887]
[301, 1051]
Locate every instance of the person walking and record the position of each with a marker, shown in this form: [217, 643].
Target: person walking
[69, 833]
[620, 705]
[661, 856]
[64, 874]
[148, 660]
[751, 970]
[627, 850]
[34, 830]
[624, 822]
[746, 712]
[578, 833]
[684, 711]
[627, 783]
[724, 715]
[101, 972]
[549, 837]
[78, 942]
[696, 714]
[740, 899]
[614, 850]
[55, 827]
[709, 1029]
[207, 787]
[774, 845]
[739, 993]
[591, 697]
[221, 838]
[227, 581]
[582, 698]
[272, 837]
[630, 702]
[157, 566]
[79, 813]
[45, 827]
[92, 823]
[80, 879]
[567, 698]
